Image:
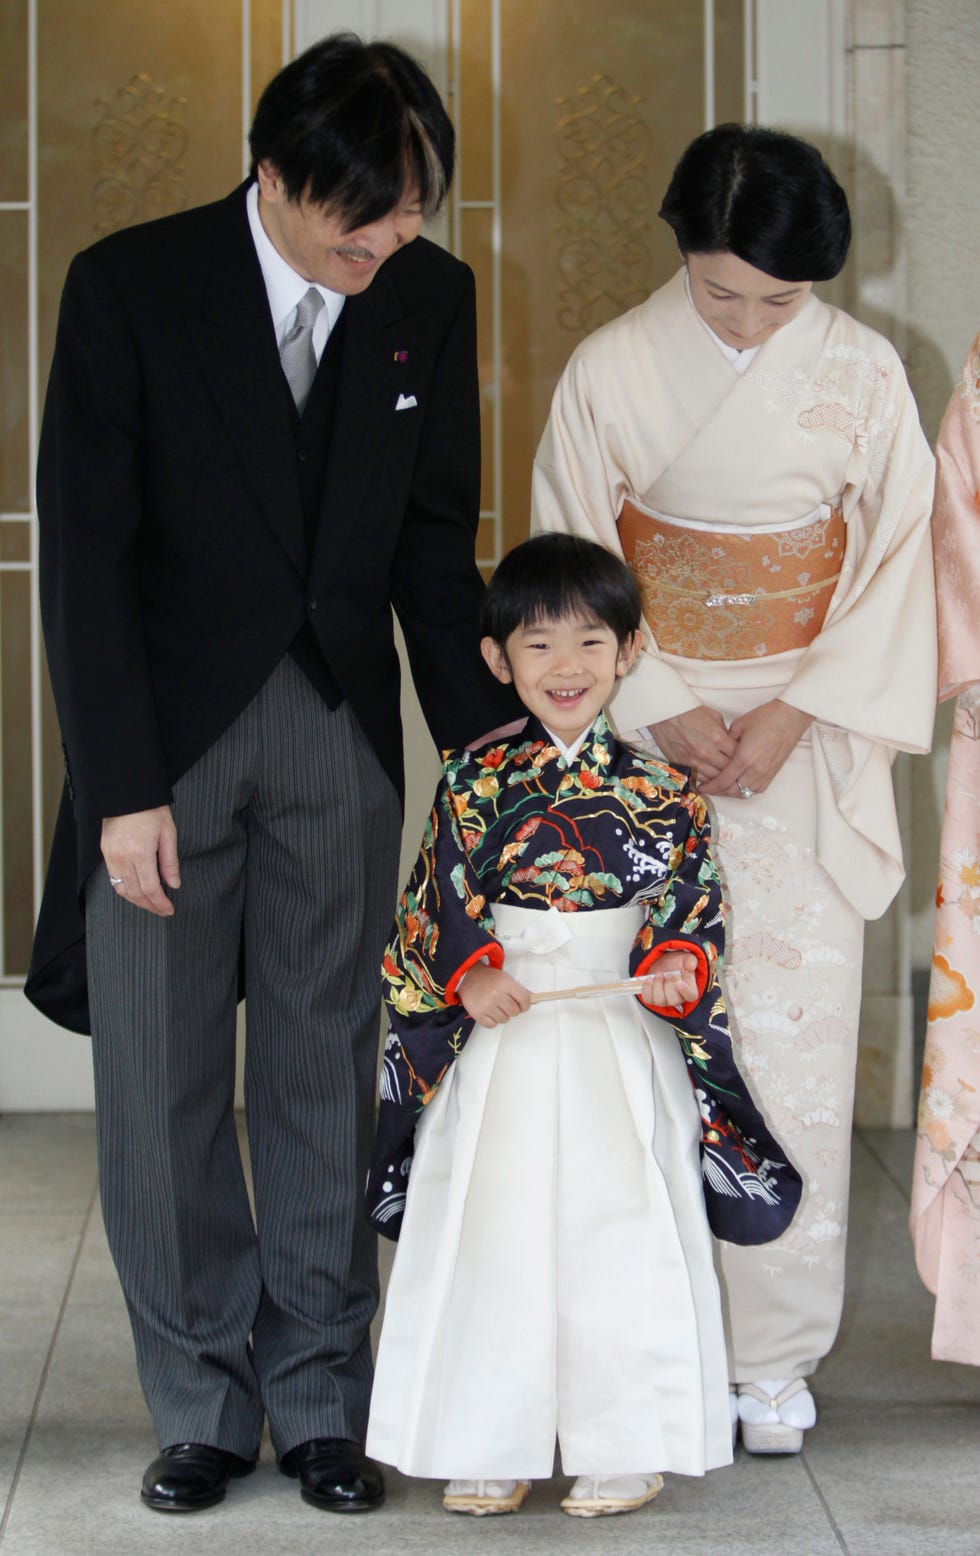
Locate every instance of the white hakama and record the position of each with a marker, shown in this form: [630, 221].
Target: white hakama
[554, 1275]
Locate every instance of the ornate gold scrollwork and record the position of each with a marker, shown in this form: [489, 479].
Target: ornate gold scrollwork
[603, 196]
[137, 147]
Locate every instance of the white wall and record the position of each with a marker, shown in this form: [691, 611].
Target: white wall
[943, 217]
[942, 239]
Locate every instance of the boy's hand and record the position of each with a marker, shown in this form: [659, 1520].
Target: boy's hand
[673, 982]
[492, 996]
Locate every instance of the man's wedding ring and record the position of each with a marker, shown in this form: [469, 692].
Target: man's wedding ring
[744, 790]
[115, 880]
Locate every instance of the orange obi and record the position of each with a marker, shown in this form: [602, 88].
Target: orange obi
[725, 594]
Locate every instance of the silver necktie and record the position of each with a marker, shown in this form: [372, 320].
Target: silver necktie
[296, 352]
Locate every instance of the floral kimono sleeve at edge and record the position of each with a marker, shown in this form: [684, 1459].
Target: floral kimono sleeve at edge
[442, 924]
[688, 914]
[442, 927]
[751, 1190]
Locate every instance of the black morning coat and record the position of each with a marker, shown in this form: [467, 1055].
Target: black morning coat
[174, 569]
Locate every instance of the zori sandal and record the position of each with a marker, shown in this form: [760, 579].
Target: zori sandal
[593, 1496]
[481, 1497]
[774, 1413]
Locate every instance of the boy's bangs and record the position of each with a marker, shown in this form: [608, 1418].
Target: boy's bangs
[552, 577]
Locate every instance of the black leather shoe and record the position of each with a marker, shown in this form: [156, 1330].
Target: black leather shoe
[334, 1474]
[190, 1476]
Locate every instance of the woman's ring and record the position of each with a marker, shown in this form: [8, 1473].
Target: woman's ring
[744, 790]
[115, 880]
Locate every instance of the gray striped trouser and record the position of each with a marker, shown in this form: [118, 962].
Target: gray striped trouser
[287, 830]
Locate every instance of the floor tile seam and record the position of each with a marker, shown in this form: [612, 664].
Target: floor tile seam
[45, 1370]
[904, 1189]
[831, 1520]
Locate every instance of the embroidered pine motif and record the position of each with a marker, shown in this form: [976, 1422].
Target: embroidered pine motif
[832, 418]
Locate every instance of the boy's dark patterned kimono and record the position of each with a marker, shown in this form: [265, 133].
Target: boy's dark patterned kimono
[514, 822]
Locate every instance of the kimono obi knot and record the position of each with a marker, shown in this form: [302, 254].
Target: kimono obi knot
[591, 940]
[733, 593]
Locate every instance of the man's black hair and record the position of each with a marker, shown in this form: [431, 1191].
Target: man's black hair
[767, 197]
[350, 125]
[553, 576]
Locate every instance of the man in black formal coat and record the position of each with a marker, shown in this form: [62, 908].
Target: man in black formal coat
[261, 433]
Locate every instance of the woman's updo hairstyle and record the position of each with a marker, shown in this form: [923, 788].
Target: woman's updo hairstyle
[764, 196]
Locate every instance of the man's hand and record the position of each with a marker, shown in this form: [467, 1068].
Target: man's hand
[698, 739]
[492, 996]
[140, 851]
[766, 736]
[672, 983]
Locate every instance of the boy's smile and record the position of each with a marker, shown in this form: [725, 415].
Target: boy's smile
[563, 671]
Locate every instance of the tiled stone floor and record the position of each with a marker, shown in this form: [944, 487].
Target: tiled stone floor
[892, 1469]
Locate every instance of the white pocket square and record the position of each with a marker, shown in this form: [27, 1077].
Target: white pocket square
[405, 402]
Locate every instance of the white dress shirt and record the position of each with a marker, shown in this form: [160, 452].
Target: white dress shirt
[285, 287]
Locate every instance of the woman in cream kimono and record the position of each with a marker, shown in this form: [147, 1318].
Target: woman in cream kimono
[757, 458]
[946, 1179]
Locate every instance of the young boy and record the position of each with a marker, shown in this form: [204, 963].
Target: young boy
[554, 1276]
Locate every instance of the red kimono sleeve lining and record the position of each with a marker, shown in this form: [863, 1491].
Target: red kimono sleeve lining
[702, 973]
[494, 953]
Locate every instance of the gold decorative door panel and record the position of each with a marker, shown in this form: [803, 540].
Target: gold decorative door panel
[571, 118]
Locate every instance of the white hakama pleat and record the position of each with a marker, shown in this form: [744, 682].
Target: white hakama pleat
[554, 1276]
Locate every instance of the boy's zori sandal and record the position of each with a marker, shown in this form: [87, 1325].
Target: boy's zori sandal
[774, 1413]
[480, 1497]
[593, 1496]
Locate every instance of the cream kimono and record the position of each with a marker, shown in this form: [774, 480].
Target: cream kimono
[945, 1216]
[650, 411]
